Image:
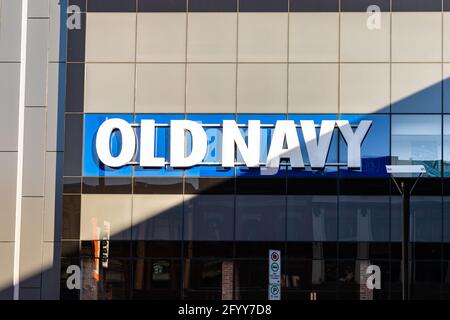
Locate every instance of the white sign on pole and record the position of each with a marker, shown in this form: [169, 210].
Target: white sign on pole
[274, 275]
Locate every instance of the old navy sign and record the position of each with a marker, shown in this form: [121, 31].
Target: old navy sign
[120, 142]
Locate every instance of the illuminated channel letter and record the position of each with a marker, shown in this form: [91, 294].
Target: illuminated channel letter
[102, 142]
[285, 131]
[317, 151]
[147, 148]
[178, 158]
[232, 136]
[354, 140]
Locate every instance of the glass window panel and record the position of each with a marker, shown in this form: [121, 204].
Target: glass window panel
[312, 218]
[203, 274]
[214, 149]
[92, 165]
[209, 218]
[156, 279]
[363, 218]
[446, 145]
[260, 218]
[74, 139]
[115, 279]
[446, 219]
[332, 157]
[426, 219]
[157, 217]
[266, 137]
[374, 149]
[162, 145]
[416, 139]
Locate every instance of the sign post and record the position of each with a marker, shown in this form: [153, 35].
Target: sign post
[274, 275]
[405, 192]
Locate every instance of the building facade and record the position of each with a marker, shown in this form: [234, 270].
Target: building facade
[147, 228]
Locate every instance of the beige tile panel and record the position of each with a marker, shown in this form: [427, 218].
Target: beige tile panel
[212, 37]
[160, 87]
[262, 37]
[8, 176]
[416, 87]
[313, 37]
[7, 267]
[9, 112]
[109, 87]
[53, 196]
[211, 88]
[157, 217]
[51, 264]
[110, 37]
[446, 36]
[446, 87]
[361, 44]
[365, 88]
[98, 209]
[161, 37]
[313, 88]
[31, 241]
[37, 58]
[10, 30]
[262, 88]
[34, 152]
[416, 36]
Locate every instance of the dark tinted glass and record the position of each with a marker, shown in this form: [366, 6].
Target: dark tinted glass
[158, 185]
[119, 249]
[73, 143]
[76, 40]
[425, 187]
[71, 217]
[260, 186]
[72, 185]
[427, 280]
[209, 186]
[250, 249]
[427, 250]
[70, 249]
[65, 293]
[115, 279]
[362, 5]
[364, 186]
[314, 5]
[193, 249]
[213, 6]
[156, 249]
[157, 279]
[107, 185]
[263, 5]
[111, 5]
[162, 5]
[75, 87]
[203, 274]
[416, 5]
[318, 186]
[80, 3]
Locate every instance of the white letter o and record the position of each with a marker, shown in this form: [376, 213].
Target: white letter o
[128, 142]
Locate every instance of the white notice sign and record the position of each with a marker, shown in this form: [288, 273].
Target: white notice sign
[274, 275]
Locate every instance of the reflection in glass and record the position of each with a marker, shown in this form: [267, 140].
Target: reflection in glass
[426, 219]
[260, 218]
[363, 218]
[374, 148]
[416, 139]
[156, 279]
[312, 218]
[209, 218]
